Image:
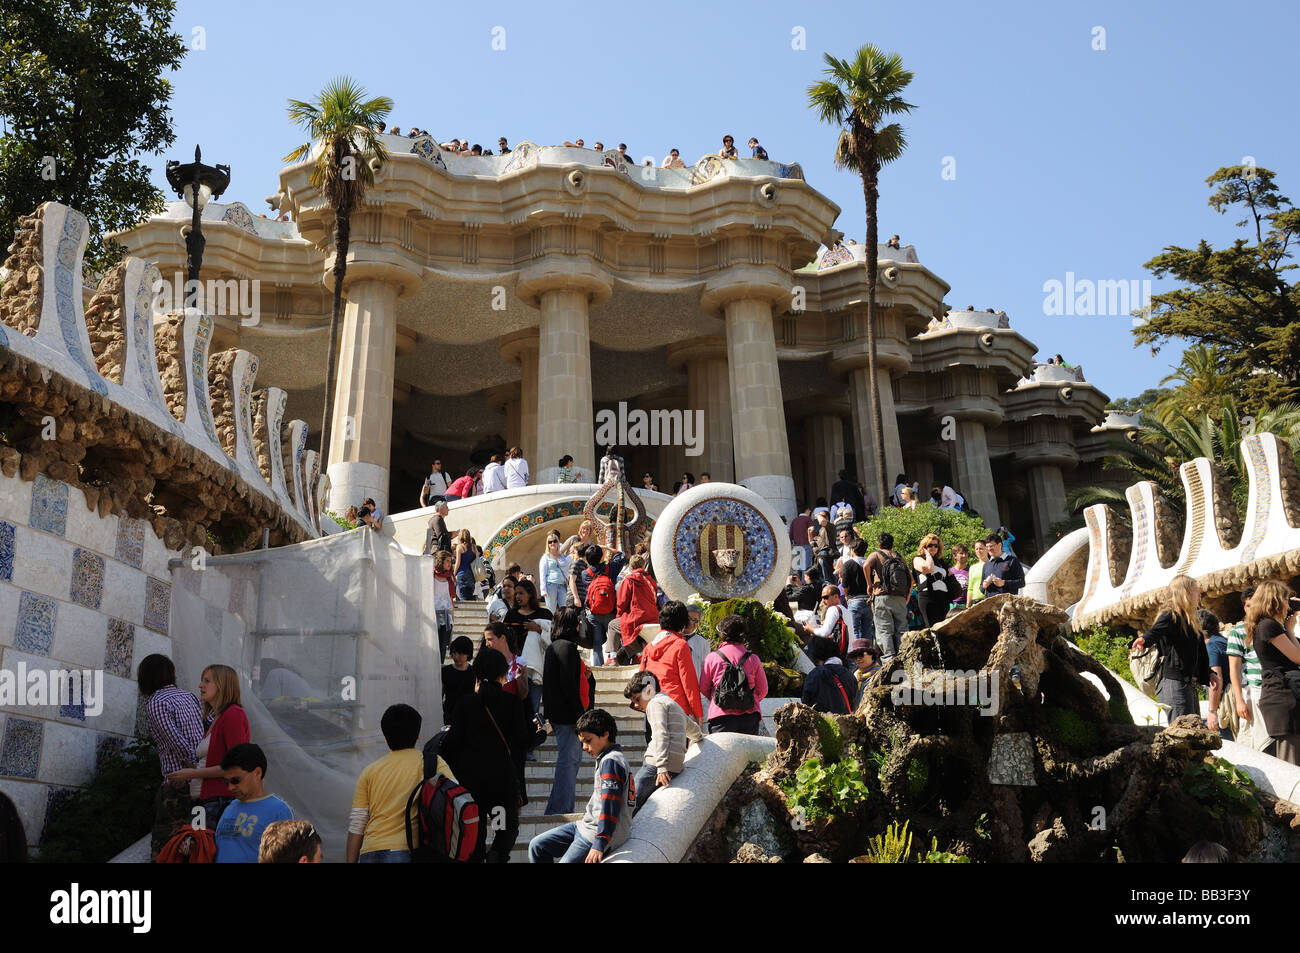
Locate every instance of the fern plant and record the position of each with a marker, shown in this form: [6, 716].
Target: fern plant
[894, 846]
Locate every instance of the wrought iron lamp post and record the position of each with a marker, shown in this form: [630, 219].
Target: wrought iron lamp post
[197, 184]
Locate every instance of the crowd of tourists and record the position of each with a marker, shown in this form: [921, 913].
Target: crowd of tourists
[673, 160]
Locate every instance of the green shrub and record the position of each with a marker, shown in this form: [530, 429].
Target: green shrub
[909, 527]
[828, 734]
[834, 791]
[894, 846]
[110, 814]
[936, 856]
[1076, 734]
[1219, 786]
[1109, 645]
[340, 519]
[770, 635]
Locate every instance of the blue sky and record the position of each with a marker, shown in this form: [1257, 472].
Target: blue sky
[1066, 158]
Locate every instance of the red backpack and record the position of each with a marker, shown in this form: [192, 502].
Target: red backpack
[600, 593]
[448, 828]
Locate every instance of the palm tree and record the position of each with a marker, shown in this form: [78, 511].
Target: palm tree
[1199, 387]
[342, 121]
[859, 96]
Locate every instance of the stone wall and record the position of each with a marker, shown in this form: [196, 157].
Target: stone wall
[77, 591]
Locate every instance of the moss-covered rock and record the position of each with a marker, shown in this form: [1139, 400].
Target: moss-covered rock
[770, 636]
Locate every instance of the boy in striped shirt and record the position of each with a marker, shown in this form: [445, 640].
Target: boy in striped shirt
[606, 824]
[1246, 675]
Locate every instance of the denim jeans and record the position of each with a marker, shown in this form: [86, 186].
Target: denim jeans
[444, 632]
[645, 784]
[555, 595]
[826, 566]
[465, 585]
[568, 760]
[385, 857]
[891, 623]
[600, 625]
[563, 843]
[864, 626]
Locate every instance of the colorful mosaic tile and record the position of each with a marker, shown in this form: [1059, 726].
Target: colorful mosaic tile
[49, 505]
[523, 155]
[1261, 494]
[87, 579]
[72, 321]
[129, 548]
[20, 752]
[35, 630]
[244, 414]
[157, 604]
[1141, 525]
[75, 710]
[1096, 555]
[237, 214]
[119, 649]
[6, 551]
[724, 522]
[835, 256]
[709, 167]
[426, 148]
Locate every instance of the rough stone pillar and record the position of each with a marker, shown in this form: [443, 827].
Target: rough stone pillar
[823, 455]
[864, 446]
[973, 471]
[1047, 500]
[757, 411]
[361, 432]
[708, 389]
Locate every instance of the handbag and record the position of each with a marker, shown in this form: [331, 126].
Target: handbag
[1146, 667]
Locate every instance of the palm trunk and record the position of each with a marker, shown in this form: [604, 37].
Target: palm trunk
[871, 194]
[342, 237]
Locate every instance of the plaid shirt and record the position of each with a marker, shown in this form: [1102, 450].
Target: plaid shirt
[175, 725]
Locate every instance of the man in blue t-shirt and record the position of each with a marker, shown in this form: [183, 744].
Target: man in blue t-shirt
[239, 832]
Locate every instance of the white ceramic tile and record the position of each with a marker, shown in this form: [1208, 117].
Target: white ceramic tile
[123, 592]
[42, 563]
[67, 754]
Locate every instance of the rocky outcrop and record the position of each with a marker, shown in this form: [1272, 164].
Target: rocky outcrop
[169, 352]
[24, 285]
[221, 394]
[106, 324]
[261, 443]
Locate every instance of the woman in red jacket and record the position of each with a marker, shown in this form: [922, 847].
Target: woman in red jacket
[227, 727]
[638, 605]
[669, 657]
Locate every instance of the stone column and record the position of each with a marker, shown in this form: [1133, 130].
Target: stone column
[520, 348]
[973, 471]
[671, 459]
[1047, 500]
[565, 423]
[757, 411]
[824, 454]
[514, 431]
[361, 432]
[864, 445]
[708, 390]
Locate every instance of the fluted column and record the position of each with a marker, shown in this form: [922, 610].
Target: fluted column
[708, 389]
[565, 423]
[1046, 500]
[974, 471]
[362, 422]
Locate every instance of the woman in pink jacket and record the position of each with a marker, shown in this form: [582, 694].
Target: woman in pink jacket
[743, 719]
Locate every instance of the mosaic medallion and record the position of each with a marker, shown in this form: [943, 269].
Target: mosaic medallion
[725, 548]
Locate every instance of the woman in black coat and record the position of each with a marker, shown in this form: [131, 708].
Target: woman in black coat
[1178, 636]
[485, 746]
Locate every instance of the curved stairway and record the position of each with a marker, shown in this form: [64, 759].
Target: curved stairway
[469, 619]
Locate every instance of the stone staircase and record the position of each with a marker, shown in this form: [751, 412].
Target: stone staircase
[469, 619]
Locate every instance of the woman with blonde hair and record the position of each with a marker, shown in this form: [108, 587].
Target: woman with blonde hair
[553, 572]
[462, 553]
[1180, 640]
[930, 572]
[586, 534]
[1269, 620]
[227, 726]
[909, 498]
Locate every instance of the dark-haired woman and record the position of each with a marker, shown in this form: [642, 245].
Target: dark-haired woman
[743, 720]
[174, 719]
[485, 747]
[532, 623]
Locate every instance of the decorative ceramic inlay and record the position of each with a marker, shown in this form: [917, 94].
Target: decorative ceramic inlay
[119, 648]
[835, 256]
[1095, 564]
[49, 505]
[522, 156]
[20, 752]
[157, 604]
[87, 587]
[724, 523]
[142, 335]
[71, 320]
[1141, 524]
[1260, 481]
[6, 551]
[199, 375]
[129, 548]
[237, 214]
[709, 167]
[34, 632]
[426, 148]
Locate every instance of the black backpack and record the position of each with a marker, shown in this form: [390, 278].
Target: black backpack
[894, 577]
[733, 692]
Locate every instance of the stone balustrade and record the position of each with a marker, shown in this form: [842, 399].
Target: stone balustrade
[132, 409]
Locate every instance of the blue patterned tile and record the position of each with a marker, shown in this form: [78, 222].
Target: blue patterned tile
[157, 604]
[130, 542]
[74, 710]
[87, 579]
[6, 551]
[35, 630]
[119, 649]
[49, 505]
[106, 746]
[55, 798]
[20, 752]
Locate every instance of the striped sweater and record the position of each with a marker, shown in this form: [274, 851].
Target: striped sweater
[670, 731]
[607, 822]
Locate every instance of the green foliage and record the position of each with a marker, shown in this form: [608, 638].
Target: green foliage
[910, 526]
[770, 635]
[341, 519]
[828, 733]
[936, 856]
[1219, 786]
[918, 775]
[111, 813]
[1143, 402]
[84, 84]
[1076, 734]
[1237, 300]
[1110, 647]
[831, 791]
[894, 846]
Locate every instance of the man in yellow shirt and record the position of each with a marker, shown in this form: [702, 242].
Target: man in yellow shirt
[377, 825]
[973, 591]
